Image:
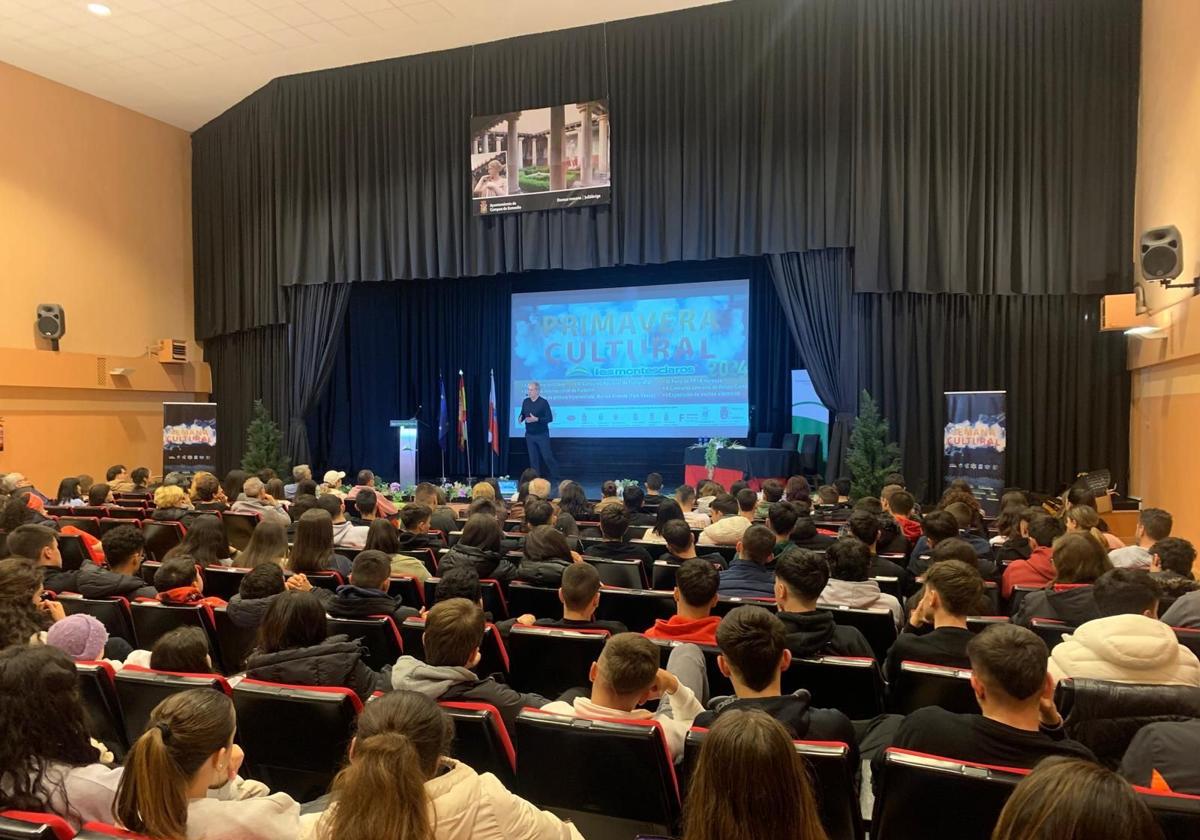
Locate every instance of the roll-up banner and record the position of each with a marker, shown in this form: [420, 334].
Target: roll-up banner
[974, 443]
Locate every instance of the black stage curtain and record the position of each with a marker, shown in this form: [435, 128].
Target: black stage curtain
[399, 337]
[995, 145]
[317, 319]
[247, 366]
[1068, 390]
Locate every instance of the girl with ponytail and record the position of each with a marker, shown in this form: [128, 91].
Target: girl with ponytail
[187, 751]
[400, 784]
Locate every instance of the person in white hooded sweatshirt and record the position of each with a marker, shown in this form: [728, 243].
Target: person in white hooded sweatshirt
[849, 584]
[399, 783]
[1128, 643]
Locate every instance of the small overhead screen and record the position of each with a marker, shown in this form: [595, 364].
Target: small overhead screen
[541, 158]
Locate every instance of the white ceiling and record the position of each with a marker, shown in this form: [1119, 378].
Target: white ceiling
[186, 61]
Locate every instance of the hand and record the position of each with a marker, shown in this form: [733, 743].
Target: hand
[268, 498]
[664, 683]
[1048, 713]
[54, 609]
[526, 620]
[576, 557]
[298, 583]
[532, 419]
[424, 612]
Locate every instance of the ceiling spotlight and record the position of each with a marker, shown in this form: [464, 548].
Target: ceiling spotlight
[99, 9]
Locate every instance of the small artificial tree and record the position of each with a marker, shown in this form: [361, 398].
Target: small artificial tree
[871, 456]
[264, 444]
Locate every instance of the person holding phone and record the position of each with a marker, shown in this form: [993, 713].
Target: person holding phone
[537, 417]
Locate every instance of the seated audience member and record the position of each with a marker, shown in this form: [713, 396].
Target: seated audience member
[545, 555]
[800, 578]
[772, 493]
[443, 516]
[300, 472]
[362, 509]
[1019, 724]
[1073, 799]
[117, 477]
[754, 655]
[1085, 518]
[1128, 644]
[85, 484]
[1078, 563]
[842, 486]
[231, 485]
[68, 494]
[207, 494]
[81, 637]
[1162, 756]
[257, 592]
[139, 477]
[268, 544]
[750, 782]
[797, 489]
[781, 519]
[1012, 542]
[626, 676]
[171, 504]
[312, 552]
[24, 615]
[614, 522]
[183, 650]
[345, 533]
[706, 491]
[188, 749]
[949, 549]
[1154, 524]
[681, 545]
[900, 504]
[400, 776]
[124, 550]
[483, 490]
[366, 593]
[633, 498]
[539, 510]
[100, 495]
[696, 583]
[1171, 562]
[294, 647]
[608, 496]
[415, 522]
[382, 536]
[849, 584]
[479, 548]
[654, 484]
[1038, 570]
[863, 526]
[178, 581]
[805, 535]
[749, 575]
[685, 495]
[39, 543]
[952, 591]
[48, 764]
[731, 516]
[17, 512]
[204, 543]
[365, 480]
[331, 482]
[453, 633]
[668, 511]
[937, 525]
[572, 500]
[580, 596]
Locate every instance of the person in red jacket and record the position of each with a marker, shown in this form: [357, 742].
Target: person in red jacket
[1038, 570]
[178, 581]
[696, 583]
[900, 504]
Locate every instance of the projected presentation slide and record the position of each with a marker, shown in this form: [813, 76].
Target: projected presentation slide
[640, 361]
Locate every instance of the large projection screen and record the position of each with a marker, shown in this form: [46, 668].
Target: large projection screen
[664, 361]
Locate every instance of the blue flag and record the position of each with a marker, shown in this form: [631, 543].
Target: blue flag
[443, 415]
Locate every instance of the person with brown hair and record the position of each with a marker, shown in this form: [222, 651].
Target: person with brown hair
[749, 575]
[453, 634]
[1078, 563]
[183, 650]
[750, 783]
[1072, 799]
[312, 550]
[401, 783]
[1084, 519]
[186, 751]
[545, 555]
[268, 544]
[580, 597]
[24, 616]
[731, 517]
[480, 548]
[952, 591]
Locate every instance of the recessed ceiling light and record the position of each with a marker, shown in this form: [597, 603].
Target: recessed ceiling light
[99, 9]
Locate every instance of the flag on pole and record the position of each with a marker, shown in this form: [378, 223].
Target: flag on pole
[462, 412]
[443, 415]
[493, 426]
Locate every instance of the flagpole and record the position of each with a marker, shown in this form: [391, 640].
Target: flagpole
[466, 432]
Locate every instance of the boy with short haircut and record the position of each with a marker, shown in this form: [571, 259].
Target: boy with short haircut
[453, 634]
[681, 545]
[953, 589]
[800, 578]
[901, 504]
[1154, 524]
[849, 584]
[772, 492]
[805, 535]
[731, 516]
[748, 576]
[414, 533]
[365, 596]
[345, 532]
[364, 507]
[580, 597]
[1038, 570]
[257, 592]
[754, 655]
[696, 584]
[39, 543]
[781, 519]
[1171, 560]
[124, 549]
[626, 676]
[614, 522]
[633, 498]
[178, 581]
[686, 496]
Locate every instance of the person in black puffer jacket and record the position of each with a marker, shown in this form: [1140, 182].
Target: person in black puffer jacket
[366, 595]
[546, 555]
[293, 648]
[258, 592]
[1078, 563]
[123, 552]
[479, 548]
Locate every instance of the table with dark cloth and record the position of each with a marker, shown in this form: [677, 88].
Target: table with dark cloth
[751, 464]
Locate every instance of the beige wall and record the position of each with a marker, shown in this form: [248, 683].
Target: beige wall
[1165, 413]
[95, 214]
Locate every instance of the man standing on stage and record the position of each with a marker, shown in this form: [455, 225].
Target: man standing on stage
[537, 417]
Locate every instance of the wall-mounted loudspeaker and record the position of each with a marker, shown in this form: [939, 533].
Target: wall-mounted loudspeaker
[51, 322]
[1161, 253]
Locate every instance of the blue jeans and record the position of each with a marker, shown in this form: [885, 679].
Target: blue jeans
[540, 456]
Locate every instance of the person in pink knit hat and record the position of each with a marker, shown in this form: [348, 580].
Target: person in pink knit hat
[81, 637]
